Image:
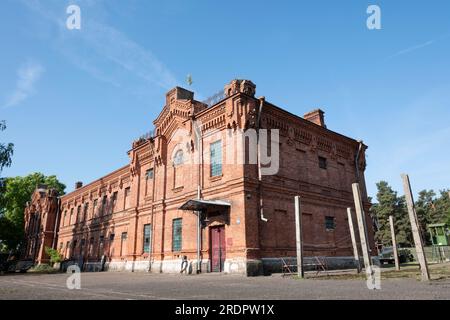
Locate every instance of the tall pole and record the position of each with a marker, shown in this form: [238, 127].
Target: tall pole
[298, 235]
[199, 233]
[415, 228]
[394, 243]
[362, 226]
[354, 244]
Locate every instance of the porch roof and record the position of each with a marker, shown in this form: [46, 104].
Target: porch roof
[204, 205]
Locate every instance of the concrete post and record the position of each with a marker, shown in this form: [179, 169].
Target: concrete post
[353, 237]
[360, 217]
[298, 234]
[394, 243]
[415, 228]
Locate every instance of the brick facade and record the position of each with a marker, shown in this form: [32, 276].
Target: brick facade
[107, 217]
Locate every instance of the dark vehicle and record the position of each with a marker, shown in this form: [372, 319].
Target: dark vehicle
[387, 255]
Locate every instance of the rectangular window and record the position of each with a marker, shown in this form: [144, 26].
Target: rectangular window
[71, 215]
[147, 238]
[86, 210]
[114, 200]
[149, 174]
[65, 217]
[330, 223]
[216, 158]
[127, 197]
[322, 162]
[176, 234]
[123, 244]
[78, 214]
[104, 204]
[94, 208]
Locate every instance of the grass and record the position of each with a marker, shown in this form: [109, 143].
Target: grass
[407, 271]
[43, 268]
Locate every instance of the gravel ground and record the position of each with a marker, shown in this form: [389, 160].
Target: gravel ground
[131, 286]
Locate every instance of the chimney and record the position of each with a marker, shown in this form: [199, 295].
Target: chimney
[78, 185]
[316, 116]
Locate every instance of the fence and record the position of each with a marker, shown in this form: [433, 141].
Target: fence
[433, 254]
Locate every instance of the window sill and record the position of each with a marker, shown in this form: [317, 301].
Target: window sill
[178, 189]
[215, 178]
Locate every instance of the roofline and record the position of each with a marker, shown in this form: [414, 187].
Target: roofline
[90, 184]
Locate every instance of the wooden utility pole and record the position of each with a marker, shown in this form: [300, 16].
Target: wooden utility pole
[362, 226]
[415, 228]
[354, 244]
[394, 243]
[298, 234]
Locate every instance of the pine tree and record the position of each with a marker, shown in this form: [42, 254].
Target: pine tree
[390, 204]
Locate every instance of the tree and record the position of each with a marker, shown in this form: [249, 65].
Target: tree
[13, 198]
[6, 150]
[390, 204]
[54, 255]
[426, 210]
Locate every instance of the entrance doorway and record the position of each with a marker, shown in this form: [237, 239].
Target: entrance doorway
[218, 249]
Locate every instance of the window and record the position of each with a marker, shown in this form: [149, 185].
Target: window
[114, 201]
[104, 204]
[322, 162]
[64, 219]
[178, 158]
[100, 245]
[71, 215]
[176, 234]
[330, 223]
[149, 174]
[111, 237]
[216, 158]
[78, 214]
[127, 197]
[94, 208]
[123, 247]
[85, 213]
[147, 238]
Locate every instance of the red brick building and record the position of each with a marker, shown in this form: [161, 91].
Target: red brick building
[144, 216]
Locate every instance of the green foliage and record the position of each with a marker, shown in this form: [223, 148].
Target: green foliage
[54, 255]
[389, 203]
[6, 150]
[13, 198]
[429, 208]
[43, 268]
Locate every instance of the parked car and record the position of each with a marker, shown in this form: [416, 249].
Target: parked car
[387, 255]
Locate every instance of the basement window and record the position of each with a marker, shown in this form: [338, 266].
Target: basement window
[322, 162]
[330, 223]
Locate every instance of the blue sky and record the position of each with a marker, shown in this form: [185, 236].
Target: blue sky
[75, 99]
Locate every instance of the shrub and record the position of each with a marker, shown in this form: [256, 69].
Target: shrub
[54, 255]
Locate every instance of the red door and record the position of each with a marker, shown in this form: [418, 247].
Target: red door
[218, 251]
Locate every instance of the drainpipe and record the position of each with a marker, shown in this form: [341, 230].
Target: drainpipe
[199, 234]
[199, 138]
[358, 153]
[258, 156]
[58, 210]
[152, 239]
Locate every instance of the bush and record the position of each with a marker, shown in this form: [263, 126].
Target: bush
[54, 255]
[42, 268]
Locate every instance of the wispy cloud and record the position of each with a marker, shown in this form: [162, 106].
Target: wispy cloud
[27, 75]
[413, 48]
[102, 51]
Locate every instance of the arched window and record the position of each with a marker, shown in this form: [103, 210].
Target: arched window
[177, 170]
[178, 158]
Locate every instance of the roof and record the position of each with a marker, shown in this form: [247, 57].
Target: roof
[199, 204]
